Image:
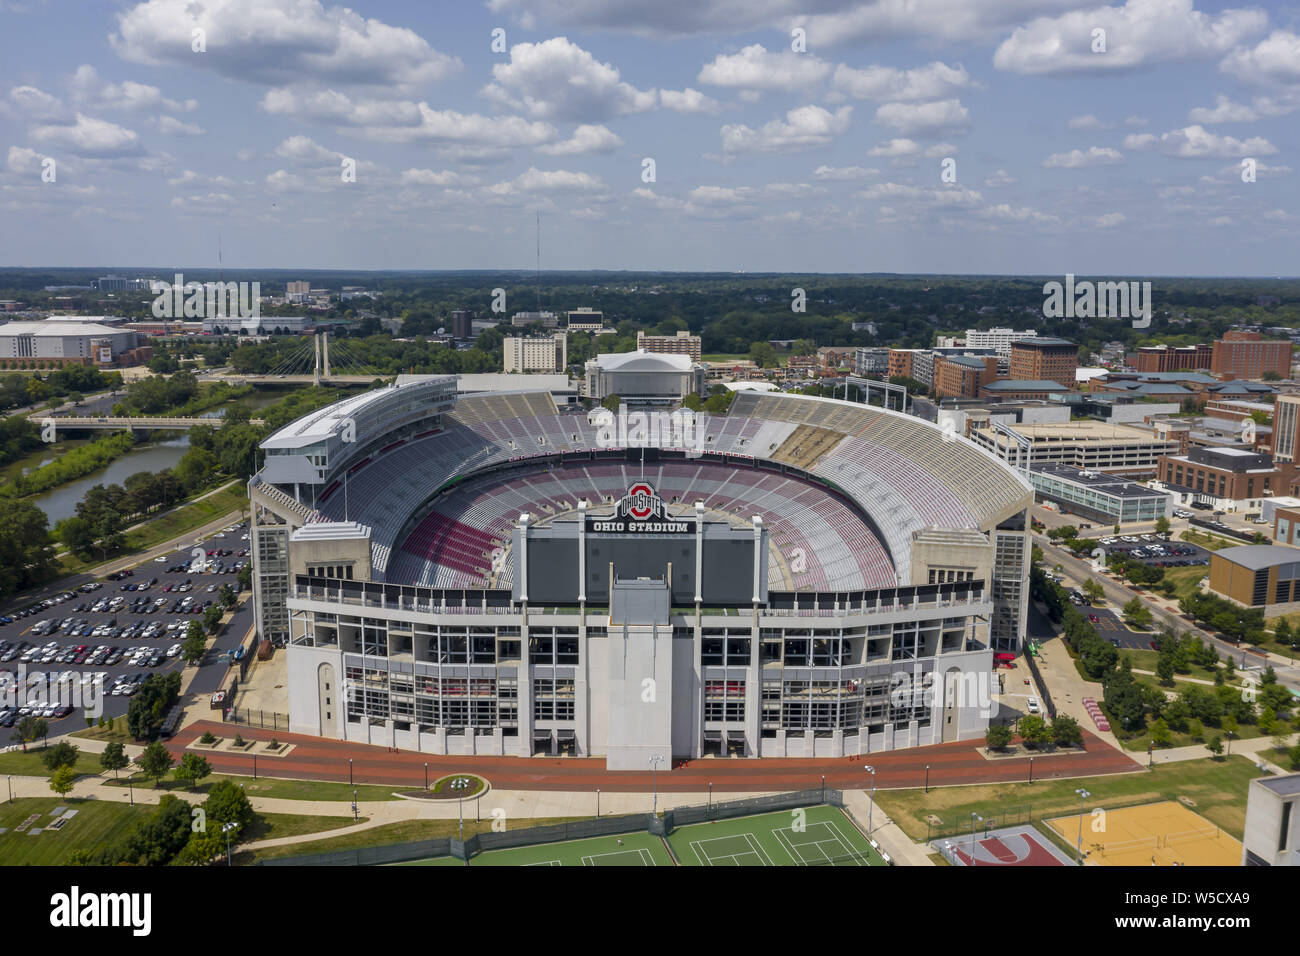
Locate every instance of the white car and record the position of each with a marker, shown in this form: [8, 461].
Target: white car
[1033, 705]
[174, 650]
[161, 559]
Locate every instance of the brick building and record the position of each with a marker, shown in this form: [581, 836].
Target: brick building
[962, 376]
[1162, 358]
[1232, 478]
[1249, 355]
[1044, 360]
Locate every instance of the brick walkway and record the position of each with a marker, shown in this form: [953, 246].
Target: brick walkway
[315, 758]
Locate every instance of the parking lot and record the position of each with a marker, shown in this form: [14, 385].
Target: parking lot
[1153, 550]
[116, 633]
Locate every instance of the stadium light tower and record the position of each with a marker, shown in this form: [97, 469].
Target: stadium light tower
[227, 828]
[655, 761]
[871, 801]
[1083, 795]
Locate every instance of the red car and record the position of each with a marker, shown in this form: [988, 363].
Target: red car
[1093, 618]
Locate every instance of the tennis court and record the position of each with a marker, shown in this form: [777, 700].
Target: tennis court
[816, 836]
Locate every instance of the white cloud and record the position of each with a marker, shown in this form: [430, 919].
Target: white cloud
[546, 181]
[1274, 60]
[35, 103]
[430, 177]
[1136, 122]
[174, 127]
[277, 42]
[586, 139]
[896, 148]
[87, 136]
[913, 119]
[806, 127]
[755, 69]
[1079, 158]
[843, 174]
[305, 151]
[1225, 110]
[933, 81]
[557, 79]
[1110, 220]
[24, 161]
[1000, 178]
[1087, 123]
[1139, 32]
[689, 101]
[1195, 142]
[90, 92]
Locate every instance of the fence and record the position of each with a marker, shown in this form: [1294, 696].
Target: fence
[575, 830]
[1040, 684]
[957, 825]
[262, 719]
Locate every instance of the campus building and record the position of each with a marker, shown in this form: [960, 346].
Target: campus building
[1044, 359]
[643, 377]
[1098, 496]
[1230, 478]
[1086, 445]
[536, 353]
[63, 341]
[491, 574]
[1265, 576]
[1272, 836]
[1249, 355]
[683, 343]
[586, 320]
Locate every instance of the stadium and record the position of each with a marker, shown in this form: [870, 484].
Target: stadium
[496, 573]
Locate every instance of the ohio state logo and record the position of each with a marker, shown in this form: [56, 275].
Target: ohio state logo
[641, 503]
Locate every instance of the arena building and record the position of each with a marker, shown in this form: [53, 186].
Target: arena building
[490, 573]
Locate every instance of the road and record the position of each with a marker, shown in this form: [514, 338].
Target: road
[1081, 570]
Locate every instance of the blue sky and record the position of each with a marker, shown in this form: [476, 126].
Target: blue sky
[1067, 158]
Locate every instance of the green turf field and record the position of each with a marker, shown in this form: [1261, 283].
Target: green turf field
[816, 836]
[629, 849]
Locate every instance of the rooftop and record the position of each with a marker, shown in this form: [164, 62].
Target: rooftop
[1025, 385]
[643, 361]
[1257, 557]
[1287, 785]
[1098, 481]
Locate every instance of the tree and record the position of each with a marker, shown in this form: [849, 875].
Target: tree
[1162, 525]
[1093, 589]
[227, 803]
[192, 769]
[114, 758]
[1160, 733]
[155, 761]
[203, 848]
[1165, 669]
[763, 355]
[1034, 730]
[62, 779]
[62, 754]
[1137, 614]
[1066, 731]
[26, 557]
[1214, 745]
[30, 729]
[195, 643]
[611, 402]
[998, 736]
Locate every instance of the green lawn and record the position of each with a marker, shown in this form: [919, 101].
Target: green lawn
[269, 826]
[279, 788]
[96, 823]
[1186, 580]
[174, 523]
[29, 764]
[1217, 786]
[404, 832]
[629, 849]
[1146, 661]
[113, 731]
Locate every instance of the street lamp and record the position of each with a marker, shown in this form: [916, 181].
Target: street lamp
[349, 771]
[871, 800]
[1031, 769]
[130, 789]
[598, 803]
[354, 805]
[227, 829]
[1228, 734]
[927, 778]
[426, 776]
[1083, 795]
[974, 817]
[1151, 754]
[655, 761]
[254, 766]
[11, 788]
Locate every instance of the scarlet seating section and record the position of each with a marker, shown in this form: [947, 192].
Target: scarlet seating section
[1095, 713]
[818, 542]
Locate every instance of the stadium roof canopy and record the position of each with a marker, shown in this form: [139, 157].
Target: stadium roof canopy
[642, 361]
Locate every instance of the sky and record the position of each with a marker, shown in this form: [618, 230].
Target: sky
[1145, 138]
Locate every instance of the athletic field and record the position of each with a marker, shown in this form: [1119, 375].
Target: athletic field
[815, 836]
[1152, 834]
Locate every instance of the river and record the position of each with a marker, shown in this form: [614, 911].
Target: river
[61, 502]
